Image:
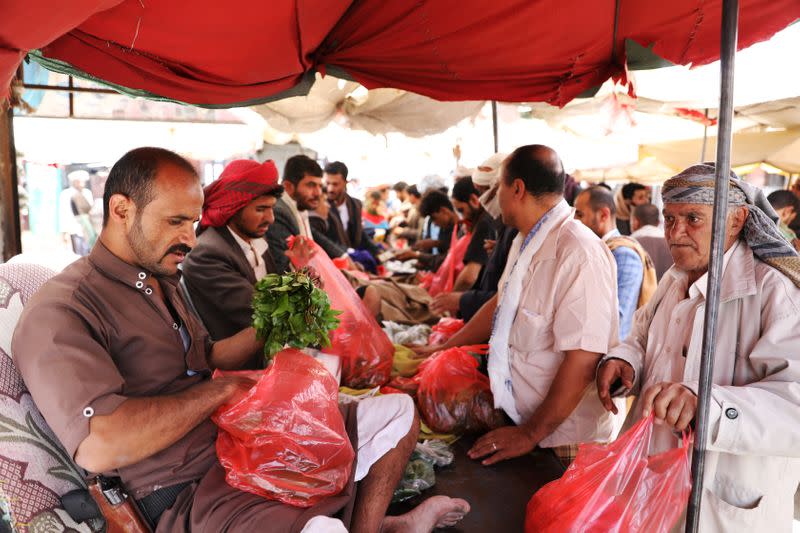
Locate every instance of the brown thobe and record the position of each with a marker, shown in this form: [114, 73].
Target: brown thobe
[96, 335]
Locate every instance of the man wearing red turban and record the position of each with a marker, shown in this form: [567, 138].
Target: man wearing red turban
[231, 254]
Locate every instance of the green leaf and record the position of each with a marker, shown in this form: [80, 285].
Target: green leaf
[290, 310]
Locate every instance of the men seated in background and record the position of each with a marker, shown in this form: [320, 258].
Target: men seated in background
[626, 198]
[752, 467]
[410, 228]
[636, 276]
[465, 304]
[555, 317]
[139, 392]
[787, 206]
[231, 254]
[481, 227]
[437, 206]
[346, 227]
[302, 183]
[645, 220]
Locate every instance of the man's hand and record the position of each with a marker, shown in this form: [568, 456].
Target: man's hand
[423, 351]
[234, 386]
[489, 245]
[426, 244]
[446, 303]
[501, 444]
[672, 403]
[405, 255]
[608, 373]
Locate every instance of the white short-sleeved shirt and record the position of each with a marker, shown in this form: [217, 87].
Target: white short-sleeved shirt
[568, 302]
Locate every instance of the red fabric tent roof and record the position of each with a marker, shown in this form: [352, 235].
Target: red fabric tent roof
[223, 53]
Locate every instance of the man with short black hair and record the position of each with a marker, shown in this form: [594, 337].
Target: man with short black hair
[128, 388]
[345, 225]
[466, 200]
[787, 206]
[626, 198]
[636, 275]
[302, 183]
[436, 205]
[231, 254]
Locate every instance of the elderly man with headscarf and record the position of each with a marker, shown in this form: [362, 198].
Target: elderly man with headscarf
[752, 466]
[231, 254]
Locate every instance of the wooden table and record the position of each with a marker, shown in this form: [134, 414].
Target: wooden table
[498, 494]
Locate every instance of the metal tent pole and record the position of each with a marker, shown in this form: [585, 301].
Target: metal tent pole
[730, 16]
[705, 139]
[494, 125]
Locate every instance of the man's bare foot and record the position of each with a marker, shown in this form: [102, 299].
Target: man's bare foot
[435, 512]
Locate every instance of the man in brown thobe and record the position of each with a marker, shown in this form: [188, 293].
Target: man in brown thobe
[120, 370]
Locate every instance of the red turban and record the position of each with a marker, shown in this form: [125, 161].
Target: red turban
[241, 182]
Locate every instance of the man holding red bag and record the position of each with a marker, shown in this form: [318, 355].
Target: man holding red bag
[120, 369]
[753, 459]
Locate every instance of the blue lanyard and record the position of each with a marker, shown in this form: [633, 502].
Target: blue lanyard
[534, 230]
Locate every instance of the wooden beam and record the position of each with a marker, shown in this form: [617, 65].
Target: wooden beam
[9, 194]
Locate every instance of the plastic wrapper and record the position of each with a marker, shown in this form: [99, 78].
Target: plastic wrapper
[446, 328]
[453, 396]
[443, 280]
[419, 474]
[405, 334]
[285, 439]
[616, 487]
[417, 477]
[437, 451]
[365, 349]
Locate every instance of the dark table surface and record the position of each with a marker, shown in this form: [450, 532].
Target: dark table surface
[498, 494]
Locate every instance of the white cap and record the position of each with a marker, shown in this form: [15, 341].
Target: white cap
[81, 175]
[488, 172]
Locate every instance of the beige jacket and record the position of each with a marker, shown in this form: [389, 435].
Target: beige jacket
[752, 466]
[568, 302]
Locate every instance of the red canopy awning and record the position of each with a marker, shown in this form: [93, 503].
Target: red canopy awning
[241, 51]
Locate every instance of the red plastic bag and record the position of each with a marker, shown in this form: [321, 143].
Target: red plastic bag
[616, 487]
[285, 439]
[453, 396]
[445, 277]
[365, 349]
[446, 328]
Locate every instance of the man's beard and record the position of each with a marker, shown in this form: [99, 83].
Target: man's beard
[303, 205]
[142, 249]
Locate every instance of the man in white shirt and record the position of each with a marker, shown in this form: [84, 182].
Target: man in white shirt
[554, 316]
[75, 205]
[753, 459]
[231, 254]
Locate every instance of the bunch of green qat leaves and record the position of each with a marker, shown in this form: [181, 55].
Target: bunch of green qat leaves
[291, 310]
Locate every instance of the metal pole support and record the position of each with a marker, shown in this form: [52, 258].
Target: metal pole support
[494, 126]
[730, 21]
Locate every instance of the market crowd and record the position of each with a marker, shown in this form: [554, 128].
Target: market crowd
[591, 301]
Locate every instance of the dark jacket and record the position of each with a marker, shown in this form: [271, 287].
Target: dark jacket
[356, 238]
[220, 282]
[285, 226]
[489, 278]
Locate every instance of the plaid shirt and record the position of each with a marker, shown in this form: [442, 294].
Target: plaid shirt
[630, 273]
